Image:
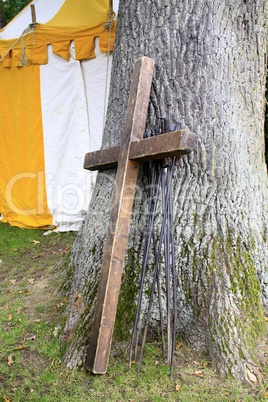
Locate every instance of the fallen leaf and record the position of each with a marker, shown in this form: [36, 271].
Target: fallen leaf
[39, 255]
[55, 332]
[199, 373]
[36, 242]
[31, 281]
[156, 363]
[37, 320]
[10, 317]
[196, 363]
[32, 338]
[10, 360]
[6, 399]
[13, 281]
[178, 387]
[266, 318]
[31, 391]
[251, 376]
[205, 364]
[27, 292]
[178, 345]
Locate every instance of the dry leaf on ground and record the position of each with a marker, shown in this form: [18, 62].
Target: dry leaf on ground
[251, 376]
[199, 373]
[10, 360]
[39, 255]
[32, 338]
[55, 332]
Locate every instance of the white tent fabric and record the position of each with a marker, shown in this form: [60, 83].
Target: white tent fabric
[72, 125]
[45, 10]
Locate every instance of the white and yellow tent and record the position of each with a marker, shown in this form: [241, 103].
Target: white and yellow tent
[53, 80]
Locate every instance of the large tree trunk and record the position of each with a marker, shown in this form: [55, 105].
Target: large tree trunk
[210, 66]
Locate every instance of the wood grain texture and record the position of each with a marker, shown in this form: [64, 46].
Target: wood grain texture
[117, 236]
[102, 159]
[176, 143]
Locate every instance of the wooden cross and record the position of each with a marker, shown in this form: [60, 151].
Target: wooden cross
[133, 150]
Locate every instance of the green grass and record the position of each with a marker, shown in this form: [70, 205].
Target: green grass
[17, 242]
[31, 353]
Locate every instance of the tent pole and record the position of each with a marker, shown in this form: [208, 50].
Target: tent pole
[110, 8]
[33, 14]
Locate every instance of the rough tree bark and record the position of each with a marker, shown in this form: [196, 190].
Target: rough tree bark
[210, 66]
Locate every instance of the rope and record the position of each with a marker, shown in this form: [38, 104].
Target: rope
[29, 29]
[108, 26]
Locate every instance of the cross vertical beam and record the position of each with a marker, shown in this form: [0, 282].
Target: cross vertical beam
[117, 236]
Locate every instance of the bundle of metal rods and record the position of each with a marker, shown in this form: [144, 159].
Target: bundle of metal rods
[161, 173]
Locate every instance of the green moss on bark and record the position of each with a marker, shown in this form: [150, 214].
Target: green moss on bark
[126, 309]
[234, 267]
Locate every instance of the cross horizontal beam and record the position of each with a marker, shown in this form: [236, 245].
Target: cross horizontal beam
[153, 148]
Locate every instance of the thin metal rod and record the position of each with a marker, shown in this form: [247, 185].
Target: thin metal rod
[174, 283]
[149, 233]
[155, 275]
[160, 304]
[165, 206]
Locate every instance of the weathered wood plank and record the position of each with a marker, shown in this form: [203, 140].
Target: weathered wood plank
[117, 236]
[106, 158]
[162, 146]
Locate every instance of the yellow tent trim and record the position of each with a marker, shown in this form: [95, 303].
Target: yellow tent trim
[76, 21]
[62, 49]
